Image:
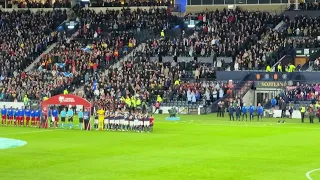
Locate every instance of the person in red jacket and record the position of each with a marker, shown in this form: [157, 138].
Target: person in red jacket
[151, 119]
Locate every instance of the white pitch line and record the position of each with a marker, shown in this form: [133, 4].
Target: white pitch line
[30, 132]
[309, 172]
[244, 125]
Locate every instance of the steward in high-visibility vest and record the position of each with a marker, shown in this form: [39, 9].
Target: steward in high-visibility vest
[162, 33]
[138, 103]
[177, 82]
[159, 99]
[128, 102]
[65, 91]
[279, 68]
[133, 102]
[25, 100]
[292, 68]
[303, 112]
[268, 69]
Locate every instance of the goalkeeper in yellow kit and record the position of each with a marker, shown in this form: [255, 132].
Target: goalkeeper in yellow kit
[100, 113]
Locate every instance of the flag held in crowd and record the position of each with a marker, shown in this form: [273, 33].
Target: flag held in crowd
[67, 74]
[60, 65]
[95, 84]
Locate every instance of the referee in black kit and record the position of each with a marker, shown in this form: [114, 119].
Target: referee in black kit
[86, 119]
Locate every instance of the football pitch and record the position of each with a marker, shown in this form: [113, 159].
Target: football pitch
[195, 148]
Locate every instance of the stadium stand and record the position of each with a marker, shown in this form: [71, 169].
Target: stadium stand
[39, 4]
[306, 6]
[117, 3]
[24, 36]
[95, 48]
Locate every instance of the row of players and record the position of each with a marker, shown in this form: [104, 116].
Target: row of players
[108, 120]
[123, 121]
[15, 116]
[23, 116]
[243, 111]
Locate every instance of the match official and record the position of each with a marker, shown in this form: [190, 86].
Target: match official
[303, 112]
[86, 119]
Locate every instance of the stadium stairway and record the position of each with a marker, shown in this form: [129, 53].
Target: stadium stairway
[70, 14]
[79, 91]
[237, 92]
[36, 61]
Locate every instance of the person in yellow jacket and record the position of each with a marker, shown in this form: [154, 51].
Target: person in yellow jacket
[303, 112]
[317, 105]
[162, 33]
[268, 69]
[65, 91]
[279, 68]
[292, 67]
[100, 113]
[133, 102]
[128, 102]
[159, 99]
[177, 82]
[25, 100]
[138, 103]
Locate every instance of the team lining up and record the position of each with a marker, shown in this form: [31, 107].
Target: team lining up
[103, 120]
[123, 120]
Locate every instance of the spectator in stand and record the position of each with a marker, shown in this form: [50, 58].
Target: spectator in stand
[306, 6]
[153, 20]
[227, 33]
[41, 4]
[118, 3]
[93, 50]
[24, 35]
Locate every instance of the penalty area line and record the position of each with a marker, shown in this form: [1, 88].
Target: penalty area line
[309, 172]
[30, 132]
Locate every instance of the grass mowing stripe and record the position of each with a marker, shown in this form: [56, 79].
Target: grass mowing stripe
[30, 132]
[240, 125]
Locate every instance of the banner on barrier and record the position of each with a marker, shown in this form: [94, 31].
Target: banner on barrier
[165, 110]
[11, 104]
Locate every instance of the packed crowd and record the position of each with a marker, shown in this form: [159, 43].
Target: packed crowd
[68, 65]
[101, 23]
[226, 33]
[119, 3]
[40, 4]
[306, 6]
[142, 81]
[25, 35]
[302, 92]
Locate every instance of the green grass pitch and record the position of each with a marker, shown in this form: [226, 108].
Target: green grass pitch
[195, 148]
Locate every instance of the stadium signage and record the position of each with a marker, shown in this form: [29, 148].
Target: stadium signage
[272, 84]
[66, 100]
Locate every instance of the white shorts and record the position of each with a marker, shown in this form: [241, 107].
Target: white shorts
[141, 123]
[112, 122]
[52, 119]
[106, 121]
[146, 123]
[121, 121]
[96, 121]
[117, 121]
[126, 122]
[136, 123]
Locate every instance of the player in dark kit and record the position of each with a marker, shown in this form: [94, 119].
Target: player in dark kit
[131, 122]
[106, 120]
[126, 121]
